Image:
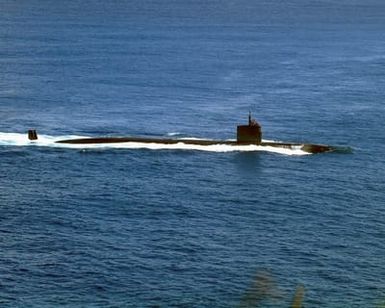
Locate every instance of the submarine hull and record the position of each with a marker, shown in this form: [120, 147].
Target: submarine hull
[250, 134]
[309, 148]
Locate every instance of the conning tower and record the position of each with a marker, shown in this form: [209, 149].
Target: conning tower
[249, 134]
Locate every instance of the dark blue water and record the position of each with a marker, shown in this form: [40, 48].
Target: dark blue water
[169, 227]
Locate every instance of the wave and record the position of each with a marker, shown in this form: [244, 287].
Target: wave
[173, 134]
[17, 139]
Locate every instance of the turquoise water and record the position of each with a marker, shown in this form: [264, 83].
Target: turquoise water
[155, 226]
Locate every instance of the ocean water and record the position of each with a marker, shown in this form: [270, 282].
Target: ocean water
[153, 226]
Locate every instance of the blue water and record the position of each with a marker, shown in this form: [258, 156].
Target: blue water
[115, 227]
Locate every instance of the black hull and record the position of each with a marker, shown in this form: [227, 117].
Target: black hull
[309, 148]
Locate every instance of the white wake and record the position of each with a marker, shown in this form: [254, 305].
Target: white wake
[17, 139]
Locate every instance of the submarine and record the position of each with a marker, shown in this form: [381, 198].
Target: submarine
[250, 134]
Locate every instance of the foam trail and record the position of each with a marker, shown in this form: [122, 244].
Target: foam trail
[174, 134]
[16, 139]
